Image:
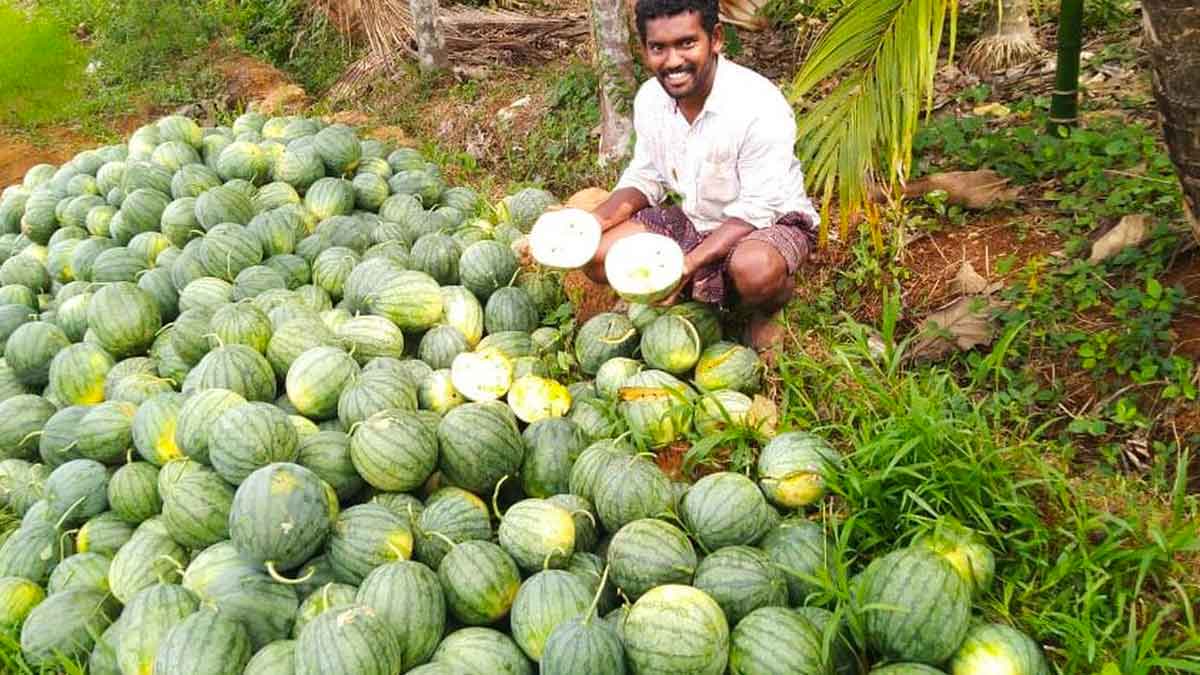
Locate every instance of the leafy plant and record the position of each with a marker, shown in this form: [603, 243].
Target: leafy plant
[43, 65]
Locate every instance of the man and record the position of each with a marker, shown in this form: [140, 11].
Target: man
[721, 137]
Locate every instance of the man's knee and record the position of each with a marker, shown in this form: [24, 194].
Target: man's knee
[758, 271]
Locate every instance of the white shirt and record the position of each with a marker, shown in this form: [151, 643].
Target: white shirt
[736, 160]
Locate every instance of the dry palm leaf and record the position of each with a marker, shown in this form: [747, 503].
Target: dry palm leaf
[1131, 231]
[963, 324]
[973, 189]
[744, 13]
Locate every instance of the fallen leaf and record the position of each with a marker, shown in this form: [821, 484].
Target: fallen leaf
[963, 324]
[968, 281]
[972, 189]
[992, 110]
[1131, 231]
[763, 415]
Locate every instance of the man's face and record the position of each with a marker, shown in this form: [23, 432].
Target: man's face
[681, 55]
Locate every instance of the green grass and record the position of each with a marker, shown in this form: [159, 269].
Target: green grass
[1101, 588]
[43, 66]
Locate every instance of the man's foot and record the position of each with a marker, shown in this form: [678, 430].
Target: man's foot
[764, 334]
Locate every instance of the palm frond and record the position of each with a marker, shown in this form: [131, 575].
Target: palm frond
[885, 52]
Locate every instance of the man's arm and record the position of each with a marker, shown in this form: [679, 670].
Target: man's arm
[716, 245]
[620, 207]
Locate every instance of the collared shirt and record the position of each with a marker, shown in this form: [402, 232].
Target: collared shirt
[736, 160]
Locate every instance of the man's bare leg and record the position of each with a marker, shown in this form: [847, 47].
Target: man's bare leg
[760, 276]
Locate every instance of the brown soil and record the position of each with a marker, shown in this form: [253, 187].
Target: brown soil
[248, 79]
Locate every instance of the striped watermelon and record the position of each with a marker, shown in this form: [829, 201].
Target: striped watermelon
[375, 393]
[272, 496]
[18, 597]
[64, 626]
[671, 343]
[436, 254]
[583, 644]
[917, 607]
[602, 337]
[248, 437]
[486, 266]
[77, 373]
[479, 446]
[223, 205]
[676, 629]
[32, 551]
[194, 420]
[996, 646]
[133, 492]
[30, 349]
[394, 450]
[965, 549]
[631, 488]
[294, 337]
[648, 553]
[150, 556]
[538, 534]
[367, 337]
[328, 197]
[364, 537]
[106, 431]
[741, 579]
[329, 596]
[338, 148]
[544, 601]
[82, 570]
[724, 509]
[480, 581]
[124, 319]
[226, 645]
[411, 300]
[481, 650]
[551, 447]
[793, 468]
[316, 378]
[327, 454]
[451, 516]
[440, 345]
[277, 658]
[147, 620]
[775, 640]
[408, 597]
[76, 491]
[237, 368]
[798, 548]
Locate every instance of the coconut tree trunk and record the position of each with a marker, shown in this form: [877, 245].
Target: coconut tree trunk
[431, 45]
[1008, 40]
[610, 29]
[1173, 39]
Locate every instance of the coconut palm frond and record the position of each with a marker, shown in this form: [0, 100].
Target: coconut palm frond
[885, 52]
[744, 13]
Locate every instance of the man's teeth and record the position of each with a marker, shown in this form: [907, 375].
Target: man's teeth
[677, 77]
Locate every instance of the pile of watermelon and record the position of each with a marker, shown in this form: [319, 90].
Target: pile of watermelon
[276, 399]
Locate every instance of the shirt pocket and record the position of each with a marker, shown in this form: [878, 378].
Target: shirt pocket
[718, 184]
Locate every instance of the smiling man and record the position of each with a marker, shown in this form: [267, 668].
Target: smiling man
[721, 137]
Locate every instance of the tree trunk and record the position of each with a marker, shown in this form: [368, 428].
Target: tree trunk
[1173, 40]
[1064, 103]
[1008, 41]
[617, 84]
[431, 45]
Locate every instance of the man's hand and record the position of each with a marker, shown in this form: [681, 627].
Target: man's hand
[689, 270]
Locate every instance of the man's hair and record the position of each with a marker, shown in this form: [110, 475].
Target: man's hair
[657, 9]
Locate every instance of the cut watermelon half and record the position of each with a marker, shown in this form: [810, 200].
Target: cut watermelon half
[484, 375]
[566, 239]
[644, 267]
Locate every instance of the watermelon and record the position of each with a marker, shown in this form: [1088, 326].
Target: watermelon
[522, 208]
[793, 468]
[593, 463]
[18, 597]
[328, 197]
[367, 536]
[583, 645]
[486, 266]
[124, 319]
[676, 628]
[205, 293]
[154, 428]
[281, 515]
[239, 323]
[133, 492]
[332, 268]
[248, 437]
[294, 337]
[227, 647]
[150, 556]
[724, 409]
[998, 647]
[327, 454]
[611, 375]
[106, 432]
[705, 318]
[437, 255]
[32, 551]
[22, 417]
[77, 373]
[408, 597]
[192, 430]
[776, 640]
[242, 591]
[602, 337]
[538, 534]
[329, 596]
[906, 669]
[451, 516]
[741, 579]
[316, 378]
[551, 447]
[479, 650]
[223, 204]
[644, 267]
[630, 488]
[22, 484]
[480, 581]
[64, 625]
[82, 570]
[544, 601]
[237, 368]
[724, 509]
[535, 398]
[30, 349]
[440, 345]
[965, 549]
[483, 375]
[671, 343]
[375, 393]
[798, 548]
[565, 239]
[479, 446]
[647, 553]
[916, 606]
[150, 616]
[655, 405]
[395, 450]
[76, 491]
[277, 658]
[366, 337]
[411, 300]
[338, 148]
[512, 343]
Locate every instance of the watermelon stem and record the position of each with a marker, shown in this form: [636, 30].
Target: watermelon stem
[67, 513]
[549, 556]
[596, 598]
[586, 513]
[32, 434]
[449, 542]
[270, 564]
[496, 497]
